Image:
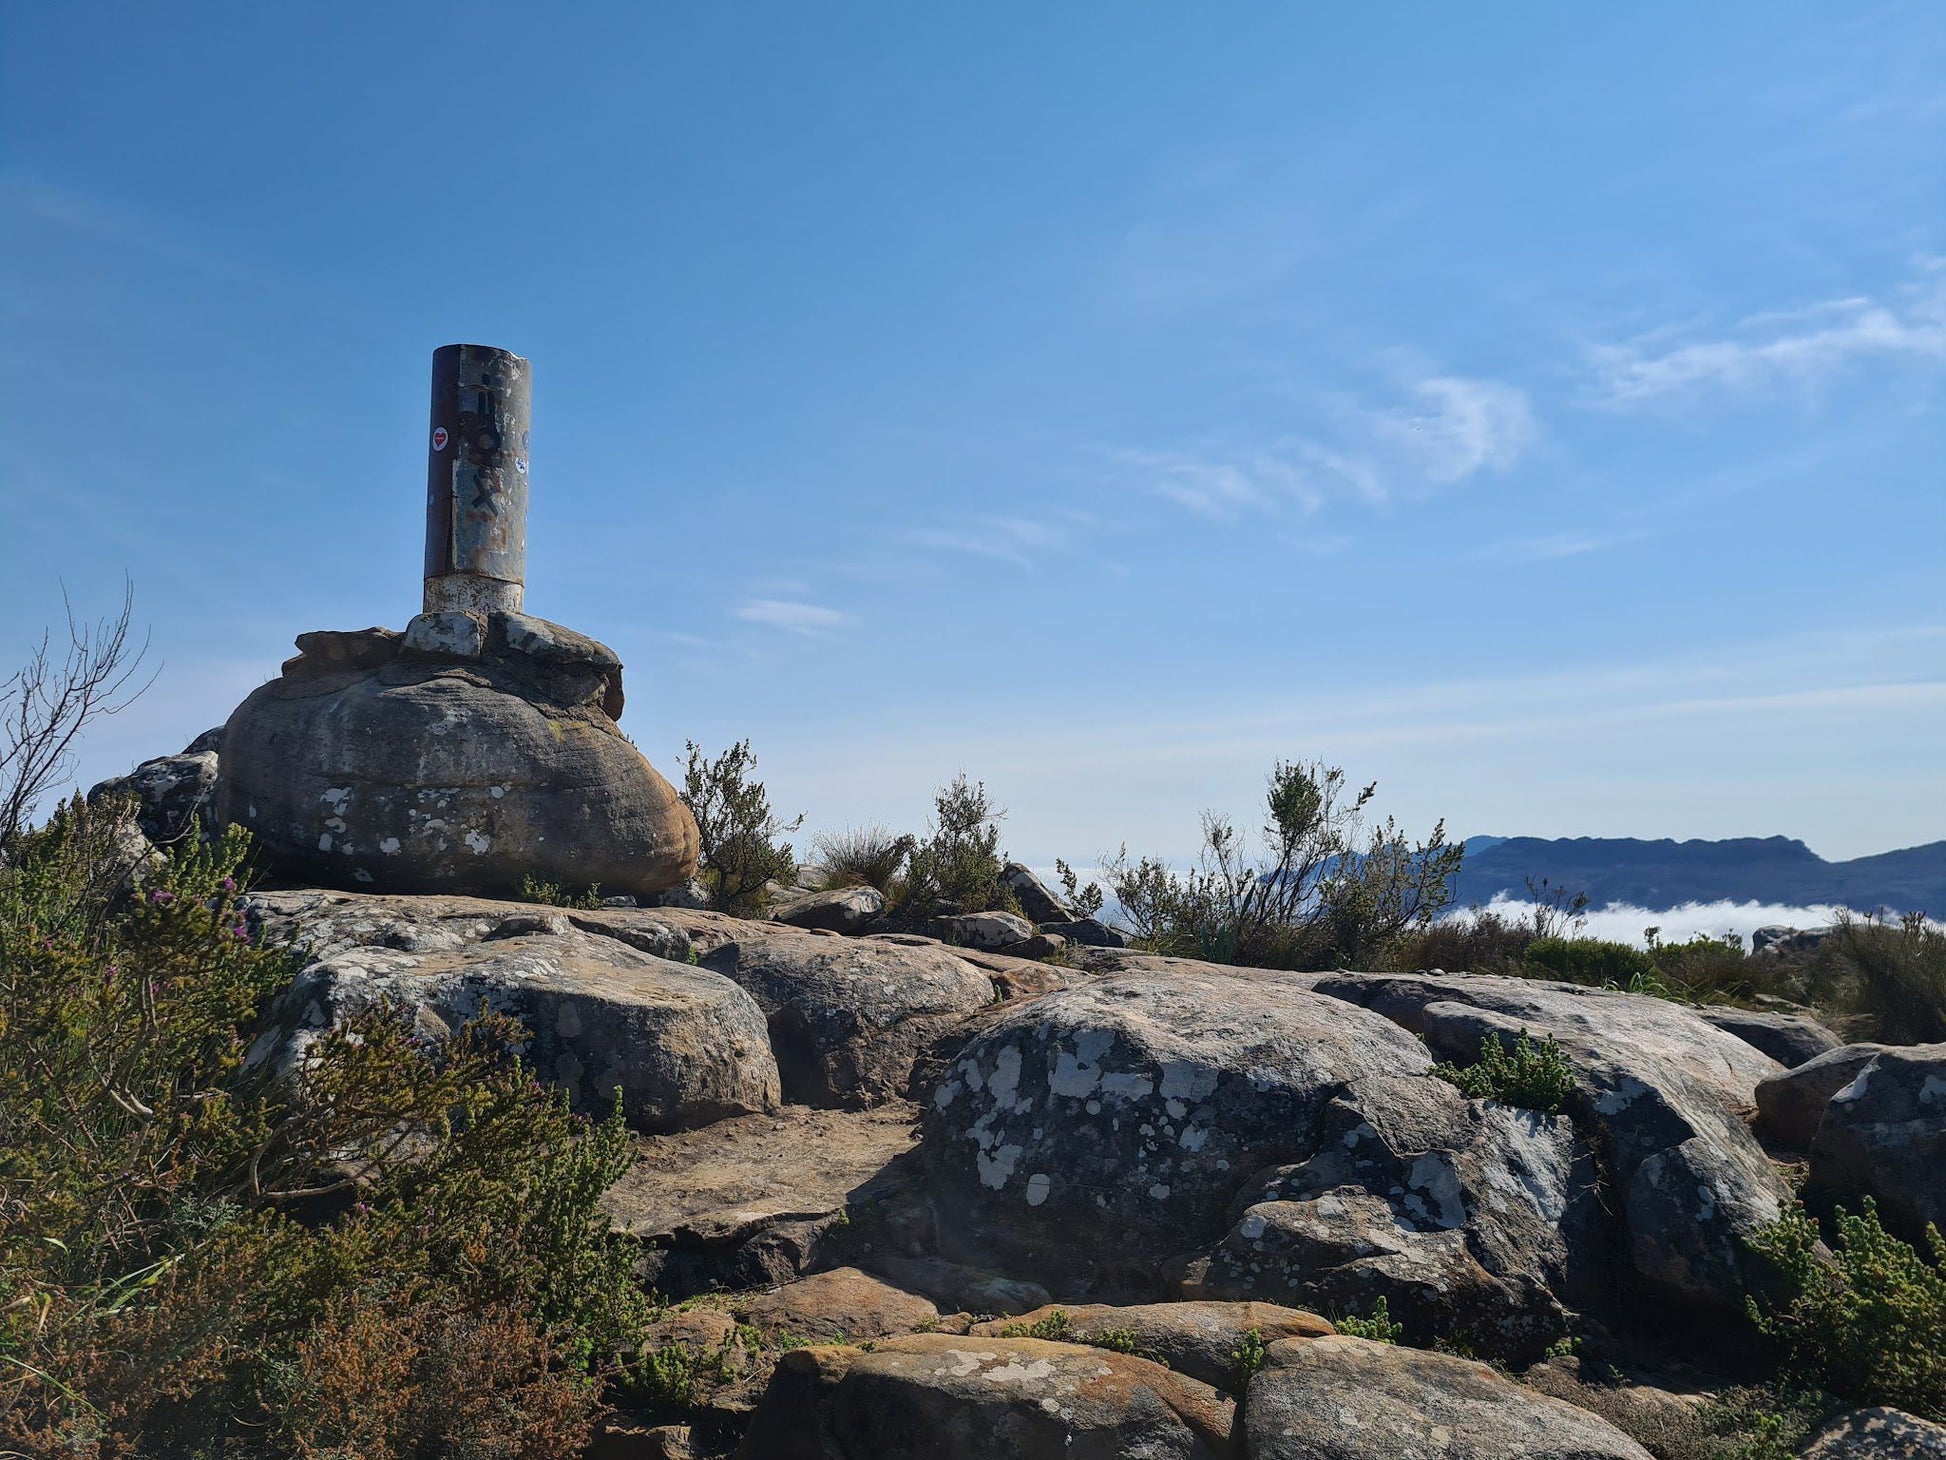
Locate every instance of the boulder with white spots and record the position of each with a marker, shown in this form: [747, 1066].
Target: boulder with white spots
[451, 763]
[1884, 1136]
[683, 1046]
[1091, 1134]
[1667, 1092]
[1476, 1222]
[1200, 1339]
[1347, 1399]
[949, 1397]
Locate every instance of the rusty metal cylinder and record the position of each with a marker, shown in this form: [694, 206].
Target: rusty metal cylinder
[476, 480]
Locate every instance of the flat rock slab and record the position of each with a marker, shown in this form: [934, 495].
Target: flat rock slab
[682, 1045]
[843, 1305]
[1347, 1399]
[1200, 1339]
[949, 1397]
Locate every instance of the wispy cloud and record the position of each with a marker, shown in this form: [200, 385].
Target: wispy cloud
[1549, 547]
[1010, 539]
[793, 617]
[1451, 428]
[1801, 347]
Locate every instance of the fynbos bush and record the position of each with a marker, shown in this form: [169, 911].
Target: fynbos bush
[737, 833]
[1530, 1075]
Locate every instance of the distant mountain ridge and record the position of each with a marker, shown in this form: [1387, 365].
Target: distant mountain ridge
[1659, 875]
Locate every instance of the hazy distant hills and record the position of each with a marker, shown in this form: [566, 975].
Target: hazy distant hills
[1658, 875]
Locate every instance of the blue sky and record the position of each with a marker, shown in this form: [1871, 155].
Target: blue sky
[1534, 408]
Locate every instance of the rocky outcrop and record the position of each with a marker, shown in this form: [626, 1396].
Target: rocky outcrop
[1877, 1434]
[683, 1046]
[1884, 1136]
[1790, 1105]
[1037, 900]
[1346, 1399]
[990, 931]
[1477, 1223]
[836, 910]
[1203, 1340]
[174, 796]
[466, 756]
[843, 1305]
[1094, 1133]
[1665, 1089]
[949, 1397]
[848, 1017]
[1790, 1039]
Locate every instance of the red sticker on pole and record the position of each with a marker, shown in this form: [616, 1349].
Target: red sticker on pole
[439, 438]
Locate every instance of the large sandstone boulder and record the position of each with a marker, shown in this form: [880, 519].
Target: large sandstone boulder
[948, 1397]
[1095, 1132]
[683, 1046]
[1346, 1399]
[1476, 1222]
[1790, 1039]
[1884, 1136]
[843, 1305]
[1666, 1090]
[1203, 1340]
[1790, 1105]
[465, 756]
[848, 1016]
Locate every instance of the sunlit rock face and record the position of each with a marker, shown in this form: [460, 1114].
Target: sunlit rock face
[465, 755]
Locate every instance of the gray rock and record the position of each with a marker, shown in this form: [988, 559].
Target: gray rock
[959, 1287]
[848, 1017]
[689, 894]
[174, 795]
[1884, 1136]
[1790, 1039]
[1037, 900]
[1476, 1222]
[329, 649]
[1790, 1105]
[211, 739]
[949, 1397]
[990, 931]
[428, 775]
[1778, 939]
[1104, 1128]
[1665, 1088]
[1877, 1434]
[1346, 1399]
[840, 910]
[1041, 945]
[1193, 1338]
[1089, 932]
[446, 635]
[684, 1046]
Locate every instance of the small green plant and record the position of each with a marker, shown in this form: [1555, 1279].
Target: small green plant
[669, 1378]
[957, 867]
[1120, 1340]
[1056, 1327]
[1085, 900]
[1376, 1326]
[552, 895]
[1865, 1319]
[1533, 1076]
[1248, 1357]
[737, 832]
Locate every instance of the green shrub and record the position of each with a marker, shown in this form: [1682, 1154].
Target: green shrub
[1056, 1327]
[1531, 1076]
[1376, 1326]
[738, 834]
[1326, 889]
[866, 856]
[1085, 900]
[552, 895]
[957, 866]
[1595, 962]
[1865, 1319]
[399, 1255]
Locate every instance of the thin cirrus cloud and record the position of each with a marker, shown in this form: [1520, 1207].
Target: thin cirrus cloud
[1009, 539]
[793, 617]
[1452, 428]
[1800, 347]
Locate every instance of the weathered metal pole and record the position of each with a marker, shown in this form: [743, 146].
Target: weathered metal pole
[476, 481]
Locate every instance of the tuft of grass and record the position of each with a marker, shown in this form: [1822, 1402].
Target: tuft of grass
[865, 856]
[1530, 1075]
